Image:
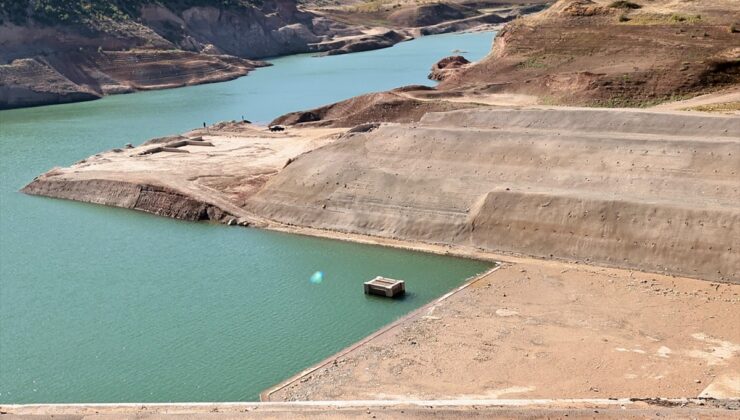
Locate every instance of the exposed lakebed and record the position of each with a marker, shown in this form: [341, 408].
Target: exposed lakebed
[106, 305]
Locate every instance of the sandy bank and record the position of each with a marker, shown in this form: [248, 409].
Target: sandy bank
[543, 329]
[192, 182]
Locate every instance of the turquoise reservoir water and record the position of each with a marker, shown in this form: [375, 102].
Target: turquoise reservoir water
[107, 305]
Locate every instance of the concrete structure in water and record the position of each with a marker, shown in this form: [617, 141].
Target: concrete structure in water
[382, 286]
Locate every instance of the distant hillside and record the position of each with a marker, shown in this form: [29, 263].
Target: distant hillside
[57, 51]
[54, 51]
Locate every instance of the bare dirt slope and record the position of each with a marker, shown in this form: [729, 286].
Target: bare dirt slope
[393, 106]
[607, 53]
[656, 192]
[540, 329]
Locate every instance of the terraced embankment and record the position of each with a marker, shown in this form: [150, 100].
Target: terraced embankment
[656, 192]
[650, 191]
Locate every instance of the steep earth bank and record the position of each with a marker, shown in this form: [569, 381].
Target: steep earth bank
[53, 51]
[640, 190]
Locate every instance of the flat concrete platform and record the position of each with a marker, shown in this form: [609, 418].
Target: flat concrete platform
[382, 286]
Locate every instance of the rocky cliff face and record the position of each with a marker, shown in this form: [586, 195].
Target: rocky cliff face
[448, 67]
[64, 54]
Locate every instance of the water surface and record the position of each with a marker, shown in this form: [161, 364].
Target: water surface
[107, 305]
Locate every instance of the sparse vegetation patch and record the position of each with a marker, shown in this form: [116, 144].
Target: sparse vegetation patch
[533, 63]
[662, 19]
[722, 107]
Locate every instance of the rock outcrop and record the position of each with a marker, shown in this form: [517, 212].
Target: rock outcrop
[78, 76]
[447, 67]
[367, 42]
[158, 200]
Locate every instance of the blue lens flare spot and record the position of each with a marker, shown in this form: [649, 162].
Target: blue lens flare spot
[317, 277]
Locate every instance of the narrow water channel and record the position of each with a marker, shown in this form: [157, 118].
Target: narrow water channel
[107, 305]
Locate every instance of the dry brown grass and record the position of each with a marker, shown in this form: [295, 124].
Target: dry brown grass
[722, 107]
[662, 19]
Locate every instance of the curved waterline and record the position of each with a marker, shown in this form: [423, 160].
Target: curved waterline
[105, 305]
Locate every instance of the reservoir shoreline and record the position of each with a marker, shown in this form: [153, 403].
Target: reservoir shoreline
[521, 299]
[613, 230]
[267, 393]
[108, 264]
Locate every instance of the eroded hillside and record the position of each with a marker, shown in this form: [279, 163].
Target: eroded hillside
[613, 53]
[55, 51]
